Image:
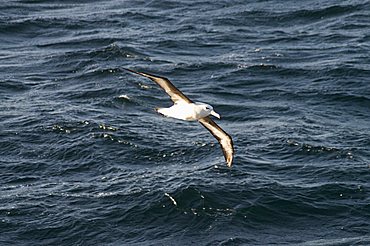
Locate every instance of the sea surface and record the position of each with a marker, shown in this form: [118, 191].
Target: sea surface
[86, 160]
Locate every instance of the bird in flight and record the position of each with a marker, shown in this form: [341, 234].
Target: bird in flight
[185, 109]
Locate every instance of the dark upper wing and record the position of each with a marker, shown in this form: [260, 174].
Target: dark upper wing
[223, 138]
[166, 85]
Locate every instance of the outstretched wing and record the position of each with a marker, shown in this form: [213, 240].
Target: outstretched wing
[175, 94]
[223, 138]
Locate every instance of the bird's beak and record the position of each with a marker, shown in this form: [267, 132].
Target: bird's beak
[215, 114]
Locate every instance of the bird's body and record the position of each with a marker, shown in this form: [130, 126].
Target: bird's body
[185, 109]
[188, 111]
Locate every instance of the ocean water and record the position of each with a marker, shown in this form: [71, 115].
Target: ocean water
[85, 159]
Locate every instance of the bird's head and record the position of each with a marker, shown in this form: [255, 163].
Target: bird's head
[208, 109]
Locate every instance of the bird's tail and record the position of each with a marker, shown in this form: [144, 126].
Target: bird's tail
[160, 111]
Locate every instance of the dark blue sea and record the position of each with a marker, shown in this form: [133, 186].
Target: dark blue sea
[86, 160]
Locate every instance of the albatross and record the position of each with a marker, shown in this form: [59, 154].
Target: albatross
[185, 109]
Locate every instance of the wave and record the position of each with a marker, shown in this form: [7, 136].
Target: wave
[276, 17]
[13, 86]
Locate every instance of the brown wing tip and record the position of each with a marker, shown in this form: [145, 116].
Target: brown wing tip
[130, 70]
[229, 161]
